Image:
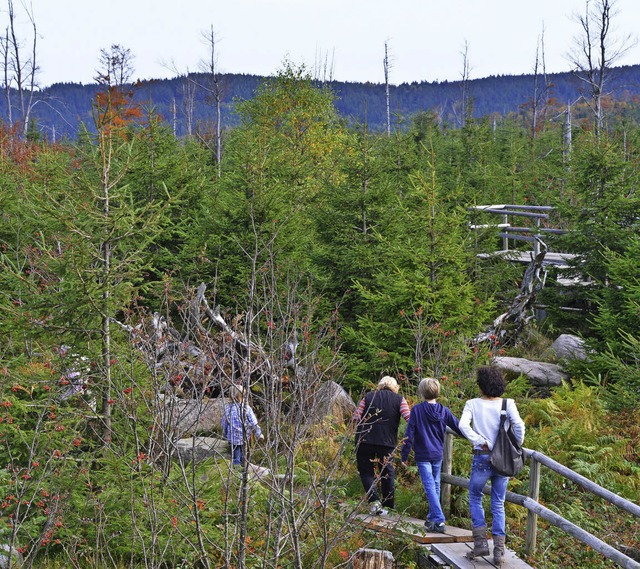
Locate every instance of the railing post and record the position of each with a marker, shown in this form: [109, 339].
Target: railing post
[447, 460]
[532, 517]
[505, 240]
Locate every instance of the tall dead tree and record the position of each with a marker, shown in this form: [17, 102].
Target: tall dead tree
[387, 67]
[566, 139]
[215, 93]
[188, 101]
[19, 72]
[323, 69]
[566, 144]
[541, 88]
[213, 89]
[466, 109]
[596, 50]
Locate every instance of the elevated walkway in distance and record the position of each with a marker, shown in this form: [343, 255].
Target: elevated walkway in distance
[558, 260]
[534, 234]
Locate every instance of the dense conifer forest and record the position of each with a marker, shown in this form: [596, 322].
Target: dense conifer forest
[185, 102]
[300, 246]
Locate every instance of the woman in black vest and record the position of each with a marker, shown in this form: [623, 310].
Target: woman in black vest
[378, 418]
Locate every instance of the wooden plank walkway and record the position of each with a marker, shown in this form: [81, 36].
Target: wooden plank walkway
[414, 528]
[453, 555]
[446, 549]
[560, 260]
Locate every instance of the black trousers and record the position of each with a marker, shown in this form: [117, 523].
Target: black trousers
[376, 463]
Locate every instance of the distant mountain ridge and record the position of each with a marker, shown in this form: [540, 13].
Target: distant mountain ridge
[62, 107]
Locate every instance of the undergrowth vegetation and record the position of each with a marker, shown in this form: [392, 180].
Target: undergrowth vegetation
[320, 254]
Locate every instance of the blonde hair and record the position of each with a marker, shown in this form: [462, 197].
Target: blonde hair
[429, 388]
[388, 382]
[236, 393]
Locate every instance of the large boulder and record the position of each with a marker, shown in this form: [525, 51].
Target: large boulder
[333, 401]
[201, 448]
[540, 374]
[10, 557]
[193, 416]
[567, 347]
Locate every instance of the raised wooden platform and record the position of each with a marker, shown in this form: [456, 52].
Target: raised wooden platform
[453, 555]
[444, 550]
[558, 260]
[413, 528]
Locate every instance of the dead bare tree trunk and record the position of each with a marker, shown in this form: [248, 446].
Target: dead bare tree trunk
[188, 102]
[215, 93]
[174, 116]
[19, 74]
[323, 71]
[596, 51]
[387, 67]
[566, 146]
[212, 87]
[540, 97]
[466, 110]
[7, 84]
[508, 326]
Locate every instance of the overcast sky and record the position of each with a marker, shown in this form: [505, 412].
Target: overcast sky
[426, 38]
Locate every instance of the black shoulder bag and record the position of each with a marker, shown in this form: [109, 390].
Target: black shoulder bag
[506, 456]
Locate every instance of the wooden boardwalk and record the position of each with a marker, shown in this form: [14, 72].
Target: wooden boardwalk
[453, 555]
[559, 260]
[444, 550]
[413, 528]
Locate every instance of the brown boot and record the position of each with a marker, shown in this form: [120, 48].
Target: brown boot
[498, 550]
[480, 544]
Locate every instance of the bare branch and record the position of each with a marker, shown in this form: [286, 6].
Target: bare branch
[596, 50]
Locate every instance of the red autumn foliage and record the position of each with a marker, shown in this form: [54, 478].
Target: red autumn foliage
[116, 110]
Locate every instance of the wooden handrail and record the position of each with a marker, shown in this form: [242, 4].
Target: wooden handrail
[520, 213]
[512, 206]
[584, 482]
[535, 509]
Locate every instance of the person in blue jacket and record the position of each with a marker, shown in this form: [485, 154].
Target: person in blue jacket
[239, 423]
[425, 434]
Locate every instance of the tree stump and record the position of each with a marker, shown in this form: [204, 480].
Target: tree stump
[372, 559]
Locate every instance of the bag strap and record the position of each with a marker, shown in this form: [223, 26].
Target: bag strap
[503, 413]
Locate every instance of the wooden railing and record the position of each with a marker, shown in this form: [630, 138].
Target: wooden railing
[537, 213]
[535, 509]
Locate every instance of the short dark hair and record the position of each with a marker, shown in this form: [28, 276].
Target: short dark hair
[490, 381]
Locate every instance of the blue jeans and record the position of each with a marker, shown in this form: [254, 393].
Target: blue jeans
[236, 454]
[481, 472]
[430, 475]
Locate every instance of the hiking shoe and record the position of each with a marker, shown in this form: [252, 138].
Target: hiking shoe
[433, 527]
[376, 508]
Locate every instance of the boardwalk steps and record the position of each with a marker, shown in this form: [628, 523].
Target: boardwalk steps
[445, 550]
[413, 528]
[452, 555]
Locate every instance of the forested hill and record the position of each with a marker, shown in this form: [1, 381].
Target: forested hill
[185, 103]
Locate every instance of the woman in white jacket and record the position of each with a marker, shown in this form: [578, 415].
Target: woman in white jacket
[479, 422]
